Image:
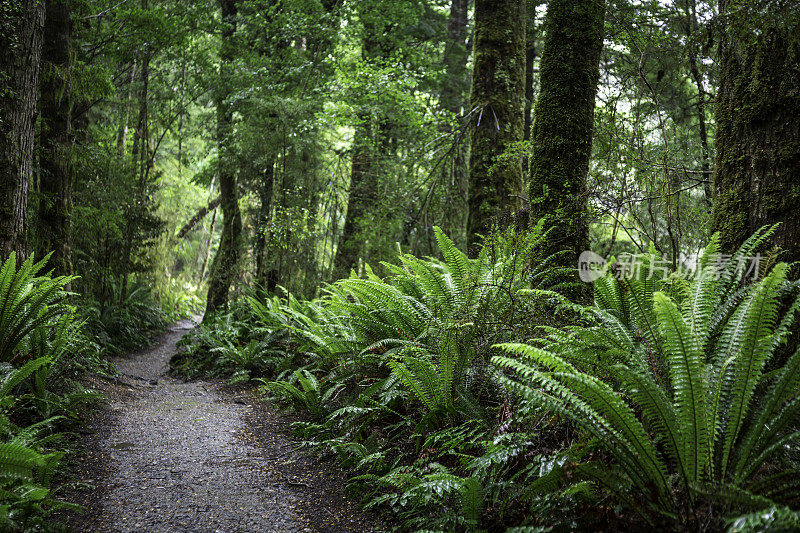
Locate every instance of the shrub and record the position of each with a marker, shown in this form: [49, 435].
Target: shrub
[38, 332]
[675, 389]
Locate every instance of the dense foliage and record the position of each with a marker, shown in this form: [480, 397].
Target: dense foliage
[43, 350]
[326, 97]
[382, 203]
[674, 397]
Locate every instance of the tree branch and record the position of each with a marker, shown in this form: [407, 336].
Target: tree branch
[202, 212]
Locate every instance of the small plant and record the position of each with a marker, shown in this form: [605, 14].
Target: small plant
[459, 501]
[257, 357]
[306, 392]
[27, 302]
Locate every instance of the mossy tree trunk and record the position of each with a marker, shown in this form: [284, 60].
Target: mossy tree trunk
[757, 178]
[21, 29]
[563, 123]
[371, 141]
[453, 95]
[226, 260]
[496, 107]
[265, 193]
[55, 210]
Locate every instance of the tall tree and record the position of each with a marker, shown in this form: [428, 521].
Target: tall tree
[496, 112]
[223, 269]
[757, 177]
[21, 28]
[530, 60]
[452, 98]
[55, 207]
[564, 121]
[265, 193]
[692, 34]
[363, 194]
[141, 164]
[454, 84]
[370, 139]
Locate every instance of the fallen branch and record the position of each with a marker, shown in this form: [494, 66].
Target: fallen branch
[202, 212]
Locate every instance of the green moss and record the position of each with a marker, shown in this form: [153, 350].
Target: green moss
[564, 120]
[498, 90]
[758, 132]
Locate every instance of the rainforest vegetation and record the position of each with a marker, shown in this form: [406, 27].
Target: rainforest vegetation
[524, 265]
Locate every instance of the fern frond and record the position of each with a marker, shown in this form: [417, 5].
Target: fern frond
[472, 498]
[759, 323]
[687, 373]
[19, 462]
[660, 414]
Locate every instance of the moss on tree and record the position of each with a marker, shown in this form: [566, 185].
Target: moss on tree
[496, 105]
[563, 122]
[757, 178]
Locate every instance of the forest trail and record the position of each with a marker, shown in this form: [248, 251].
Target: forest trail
[169, 455]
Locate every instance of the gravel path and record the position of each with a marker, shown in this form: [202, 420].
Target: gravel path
[167, 455]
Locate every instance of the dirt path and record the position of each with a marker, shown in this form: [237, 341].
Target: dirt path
[168, 455]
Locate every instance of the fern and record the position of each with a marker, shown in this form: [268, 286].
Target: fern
[18, 462]
[713, 420]
[27, 302]
[689, 387]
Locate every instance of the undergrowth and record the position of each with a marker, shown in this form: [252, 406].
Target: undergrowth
[43, 350]
[120, 323]
[471, 394]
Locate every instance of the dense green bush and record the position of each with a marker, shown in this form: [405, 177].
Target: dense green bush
[231, 344]
[120, 325]
[665, 395]
[674, 388]
[42, 341]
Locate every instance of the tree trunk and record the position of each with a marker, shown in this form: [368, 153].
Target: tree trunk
[757, 177]
[452, 98]
[530, 60]
[55, 212]
[122, 132]
[223, 268]
[362, 195]
[139, 172]
[454, 86]
[496, 106]
[690, 8]
[369, 139]
[21, 27]
[265, 193]
[207, 254]
[564, 122]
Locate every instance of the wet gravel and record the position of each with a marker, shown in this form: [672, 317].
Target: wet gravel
[168, 455]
